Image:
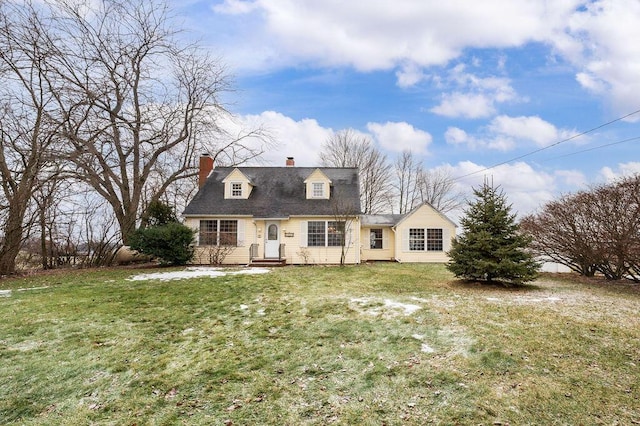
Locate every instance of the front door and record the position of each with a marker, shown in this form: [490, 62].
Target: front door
[272, 240]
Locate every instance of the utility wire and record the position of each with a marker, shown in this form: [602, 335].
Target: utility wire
[591, 149]
[549, 146]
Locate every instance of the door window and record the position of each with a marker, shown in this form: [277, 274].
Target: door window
[272, 232]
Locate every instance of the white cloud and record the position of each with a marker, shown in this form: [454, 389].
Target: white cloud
[464, 105]
[597, 37]
[600, 41]
[397, 137]
[505, 133]
[624, 169]
[525, 188]
[531, 128]
[410, 75]
[573, 178]
[235, 7]
[386, 35]
[473, 97]
[299, 139]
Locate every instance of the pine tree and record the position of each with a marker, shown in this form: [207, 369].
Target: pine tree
[491, 246]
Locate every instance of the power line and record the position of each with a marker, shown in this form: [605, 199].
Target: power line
[549, 146]
[591, 149]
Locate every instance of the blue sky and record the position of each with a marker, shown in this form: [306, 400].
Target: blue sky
[464, 85]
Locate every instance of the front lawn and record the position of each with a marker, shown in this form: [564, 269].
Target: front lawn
[368, 345]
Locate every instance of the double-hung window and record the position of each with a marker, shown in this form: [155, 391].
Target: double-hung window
[318, 189]
[236, 189]
[316, 233]
[375, 239]
[416, 239]
[335, 234]
[434, 239]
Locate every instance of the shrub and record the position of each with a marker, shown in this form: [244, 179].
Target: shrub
[170, 243]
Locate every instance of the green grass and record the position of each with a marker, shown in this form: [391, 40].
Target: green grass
[317, 345]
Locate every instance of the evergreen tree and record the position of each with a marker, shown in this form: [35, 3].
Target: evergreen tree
[491, 246]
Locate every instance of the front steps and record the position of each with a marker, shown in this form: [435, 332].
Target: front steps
[267, 263]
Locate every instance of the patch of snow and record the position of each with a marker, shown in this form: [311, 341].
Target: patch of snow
[407, 307]
[32, 288]
[525, 299]
[387, 307]
[260, 312]
[418, 336]
[427, 349]
[244, 307]
[5, 293]
[193, 272]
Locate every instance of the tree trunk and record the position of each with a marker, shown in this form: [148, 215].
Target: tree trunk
[12, 240]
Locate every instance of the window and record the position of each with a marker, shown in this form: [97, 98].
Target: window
[434, 239]
[375, 238]
[208, 232]
[322, 233]
[228, 235]
[218, 232]
[425, 239]
[236, 189]
[318, 189]
[316, 234]
[335, 234]
[272, 232]
[416, 239]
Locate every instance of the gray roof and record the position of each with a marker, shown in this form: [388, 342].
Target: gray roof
[278, 192]
[381, 219]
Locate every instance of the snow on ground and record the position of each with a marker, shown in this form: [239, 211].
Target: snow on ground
[387, 307]
[197, 272]
[525, 299]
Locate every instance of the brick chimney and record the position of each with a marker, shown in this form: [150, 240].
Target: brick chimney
[290, 162]
[206, 165]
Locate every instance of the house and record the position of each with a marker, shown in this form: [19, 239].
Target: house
[304, 215]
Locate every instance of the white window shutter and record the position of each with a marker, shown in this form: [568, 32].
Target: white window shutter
[405, 239]
[240, 233]
[385, 238]
[303, 234]
[446, 239]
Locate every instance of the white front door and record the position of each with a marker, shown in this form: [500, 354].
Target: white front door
[272, 240]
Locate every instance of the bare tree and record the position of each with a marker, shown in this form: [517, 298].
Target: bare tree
[344, 220]
[408, 172]
[348, 149]
[592, 231]
[140, 105]
[437, 188]
[27, 121]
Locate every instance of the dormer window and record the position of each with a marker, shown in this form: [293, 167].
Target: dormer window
[318, 186]
[236, 189]
[318, 189]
